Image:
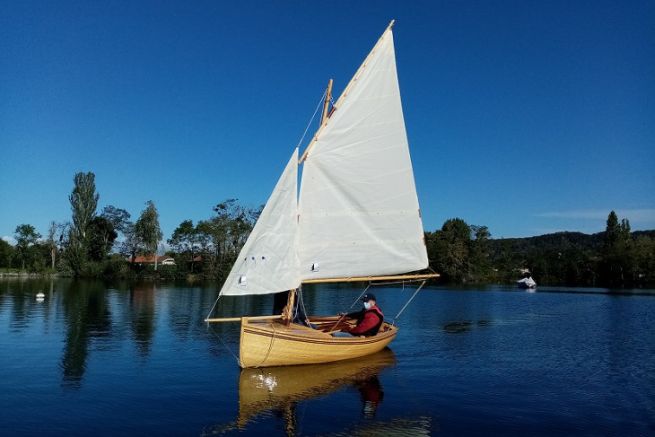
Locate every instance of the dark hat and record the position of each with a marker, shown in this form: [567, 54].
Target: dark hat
[368, 296]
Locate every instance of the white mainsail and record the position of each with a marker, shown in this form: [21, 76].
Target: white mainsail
[268, 262]
[358, 209]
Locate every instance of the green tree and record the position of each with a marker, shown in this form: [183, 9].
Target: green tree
[100, 238]
[617, 266]
[185, 241]
[84, 201]
[479, 254]
[449, 250]
[118, 217]
[6, 253]
[131, 245]
[51, 243]
[148, 231]
[228, 231]
[644, 253]
[26, 238]
[612, 231]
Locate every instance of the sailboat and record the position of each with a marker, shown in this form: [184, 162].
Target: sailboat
[355, 218]
[526, 282]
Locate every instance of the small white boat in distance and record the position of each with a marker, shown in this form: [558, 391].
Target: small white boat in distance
[526, 282]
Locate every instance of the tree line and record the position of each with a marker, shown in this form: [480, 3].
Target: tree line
[106, 244]
[617, 257]
[86, 245]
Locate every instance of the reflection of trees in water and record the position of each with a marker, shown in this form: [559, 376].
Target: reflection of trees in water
[142, 306]
[186, 311]
[87, 317]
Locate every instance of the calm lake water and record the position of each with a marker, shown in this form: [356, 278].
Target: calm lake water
[125, 359]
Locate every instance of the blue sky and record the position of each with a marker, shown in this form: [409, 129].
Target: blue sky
[528, 117]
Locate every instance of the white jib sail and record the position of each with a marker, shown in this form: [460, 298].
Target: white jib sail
[359, 212]
[268, 262]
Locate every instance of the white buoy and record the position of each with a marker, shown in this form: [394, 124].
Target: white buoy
[40, 296]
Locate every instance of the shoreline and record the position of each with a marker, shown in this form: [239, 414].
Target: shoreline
[31, 275]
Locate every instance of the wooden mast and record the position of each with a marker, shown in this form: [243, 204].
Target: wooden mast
[326, 103]
[287, 313]
[345, 92]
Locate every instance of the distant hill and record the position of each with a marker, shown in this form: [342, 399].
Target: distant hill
[649, 234]
[556, 241]
[569, 258]
[559, 241]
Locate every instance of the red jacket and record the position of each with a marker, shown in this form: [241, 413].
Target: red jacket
[368, 321]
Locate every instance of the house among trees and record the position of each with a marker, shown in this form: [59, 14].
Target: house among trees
[163, 260]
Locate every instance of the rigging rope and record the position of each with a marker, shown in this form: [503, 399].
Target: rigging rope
[301, 301]
[223, 343]
[217, 335]
[408, 302]
[360, 296]
[270, 346]
[311, 119]
[213, 306]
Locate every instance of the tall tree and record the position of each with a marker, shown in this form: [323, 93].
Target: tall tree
[6, 253]
[26, 237]
[51, 242]
[118, 217]
[449, 250]
[612, 231]
[617, 264]
[84, 201]
[131, 244]
[644, 251]
[185, 240]
[479, 253]
[100, 238]
[147, 229]
[228, 231]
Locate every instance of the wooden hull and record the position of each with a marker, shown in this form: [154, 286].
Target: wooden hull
[267, 343]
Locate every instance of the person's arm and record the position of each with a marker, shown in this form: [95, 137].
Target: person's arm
[369, 322]
[355, 315]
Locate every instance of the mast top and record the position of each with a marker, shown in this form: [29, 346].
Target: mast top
[344, 93]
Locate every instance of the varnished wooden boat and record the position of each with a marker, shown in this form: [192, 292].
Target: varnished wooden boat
[273, 343]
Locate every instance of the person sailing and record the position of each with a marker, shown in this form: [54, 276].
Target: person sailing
[369, 319]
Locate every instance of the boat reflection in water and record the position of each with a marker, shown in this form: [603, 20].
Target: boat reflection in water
[278, 390]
